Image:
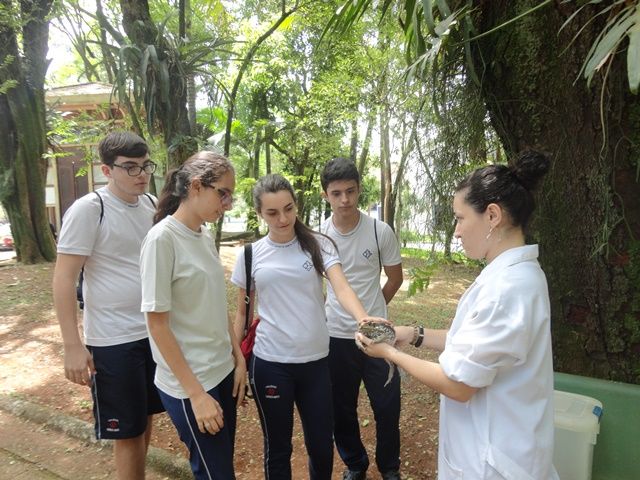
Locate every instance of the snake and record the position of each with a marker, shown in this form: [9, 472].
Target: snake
[378, 332]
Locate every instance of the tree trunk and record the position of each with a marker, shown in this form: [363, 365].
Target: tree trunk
[588, 217]
[364, 153]
[23, 140]
[385, 162]
[268, 136]
[353, 149]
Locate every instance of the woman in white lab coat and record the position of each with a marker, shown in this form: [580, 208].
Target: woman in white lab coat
[495, 372]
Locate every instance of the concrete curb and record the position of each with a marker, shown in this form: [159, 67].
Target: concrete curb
[161, 461]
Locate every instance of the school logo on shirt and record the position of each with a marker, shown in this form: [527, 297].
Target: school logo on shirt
[307, 265]
[271, 391]
[367, 253]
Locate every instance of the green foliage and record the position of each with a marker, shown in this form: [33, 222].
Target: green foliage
[623, 22]
[10, 83]
[7, 85]
[430, 262]
[369, 191]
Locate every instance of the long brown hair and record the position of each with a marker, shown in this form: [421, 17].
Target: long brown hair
[308, 238]
[207, 166]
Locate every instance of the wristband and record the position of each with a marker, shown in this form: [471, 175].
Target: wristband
[416, 332]
[420, 338]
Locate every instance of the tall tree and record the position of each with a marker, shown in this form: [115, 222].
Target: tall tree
[589, 217]
[588, 222]
[24, 30]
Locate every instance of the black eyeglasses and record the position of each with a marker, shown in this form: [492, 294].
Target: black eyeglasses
[226, 196]
[135, 170]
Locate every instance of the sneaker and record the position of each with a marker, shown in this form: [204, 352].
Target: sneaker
[354, 475]
[392, 475]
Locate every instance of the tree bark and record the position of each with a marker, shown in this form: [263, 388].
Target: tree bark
[23, 139]
[353, 149]
[385, 161]
[588, 217]
[364, 153]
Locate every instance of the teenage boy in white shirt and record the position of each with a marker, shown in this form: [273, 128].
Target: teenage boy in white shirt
[365, 246]
[102, 232]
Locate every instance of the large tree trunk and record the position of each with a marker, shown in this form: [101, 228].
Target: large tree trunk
[588, 217]
[23, 139]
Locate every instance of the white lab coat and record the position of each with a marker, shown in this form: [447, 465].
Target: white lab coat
[500, 343]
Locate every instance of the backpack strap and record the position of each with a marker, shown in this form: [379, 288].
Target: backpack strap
[101, 207]
[375, 232]
[150, 199]
[248, 258]
[79, 295]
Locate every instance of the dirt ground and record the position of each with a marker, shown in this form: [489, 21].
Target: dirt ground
[31, 366]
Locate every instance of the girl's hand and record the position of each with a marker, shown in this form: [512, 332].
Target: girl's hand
[208, 413]
[377, 350]
[240, 381]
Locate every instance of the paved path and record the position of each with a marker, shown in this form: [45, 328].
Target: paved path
[33, 446]
[31, 451]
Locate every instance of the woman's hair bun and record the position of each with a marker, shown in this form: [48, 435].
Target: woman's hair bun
[529, 167]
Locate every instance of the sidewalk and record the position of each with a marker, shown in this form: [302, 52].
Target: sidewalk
[39, 444]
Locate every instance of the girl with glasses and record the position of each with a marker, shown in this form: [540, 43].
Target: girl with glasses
[201, 371]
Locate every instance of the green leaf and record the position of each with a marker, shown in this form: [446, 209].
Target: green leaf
[286, 24]
[427, 6]
[607, 45]
[443, 27]
[445, 11]
[633, 54]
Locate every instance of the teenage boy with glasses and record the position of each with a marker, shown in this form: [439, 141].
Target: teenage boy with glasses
[102, 232]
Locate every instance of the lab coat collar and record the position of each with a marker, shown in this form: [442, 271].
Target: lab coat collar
[506, 259]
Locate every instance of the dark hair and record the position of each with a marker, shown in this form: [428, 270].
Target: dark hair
[308, 238]
[339, 169]
[510, 187]
[123, 143]
[206, 166]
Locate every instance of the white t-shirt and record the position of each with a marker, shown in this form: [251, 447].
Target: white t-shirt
[182, 274]
[500, 342]
[361, 264]
[293, 325]
[111, 288]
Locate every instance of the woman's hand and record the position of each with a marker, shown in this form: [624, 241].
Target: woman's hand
[377, 350]
[404, 336]
[208, 413]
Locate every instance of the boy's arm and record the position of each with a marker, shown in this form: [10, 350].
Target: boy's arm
[78, 362]
[394, 281]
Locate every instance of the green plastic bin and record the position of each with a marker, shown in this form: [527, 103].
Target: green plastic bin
[616, 455]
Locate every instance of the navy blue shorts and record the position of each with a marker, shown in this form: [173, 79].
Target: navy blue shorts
[123, 391]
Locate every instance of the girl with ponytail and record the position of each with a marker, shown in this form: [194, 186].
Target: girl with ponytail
[201, 371]
[495, 372]
[289, 364]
